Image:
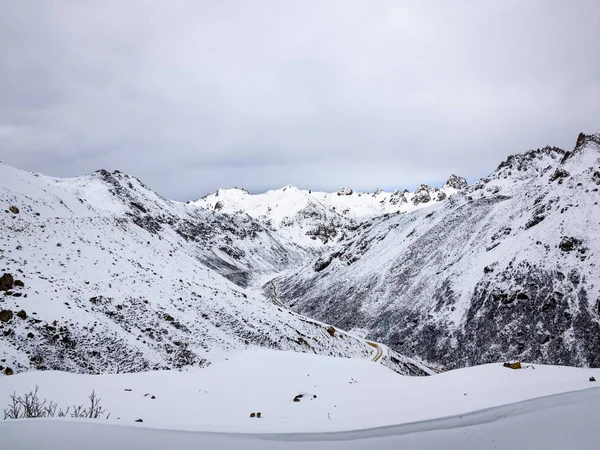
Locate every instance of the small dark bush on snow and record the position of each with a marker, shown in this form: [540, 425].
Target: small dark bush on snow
[31, 405]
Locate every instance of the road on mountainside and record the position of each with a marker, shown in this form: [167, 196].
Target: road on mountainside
[379, 353]
[275, 300]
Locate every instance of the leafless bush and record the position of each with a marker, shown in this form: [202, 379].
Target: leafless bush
[94, 411]
[31, 405]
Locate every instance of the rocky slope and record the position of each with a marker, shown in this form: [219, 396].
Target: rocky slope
[506, 268]
[101, 274]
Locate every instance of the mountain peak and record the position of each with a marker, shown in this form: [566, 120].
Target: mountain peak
[456, 182]
[584, 139]
[345, 191]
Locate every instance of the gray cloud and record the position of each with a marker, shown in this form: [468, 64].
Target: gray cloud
[194, 95]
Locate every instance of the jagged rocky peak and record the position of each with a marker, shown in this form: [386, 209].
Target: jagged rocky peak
[398, 197]
[422, 194]
[345, 191]
[583, 139]
[583, 142]
[456, 182]
[532, 160]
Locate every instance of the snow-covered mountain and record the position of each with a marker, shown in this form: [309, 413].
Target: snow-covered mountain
[313, 218]
[506, 268]
[101, 274]
[118, 278]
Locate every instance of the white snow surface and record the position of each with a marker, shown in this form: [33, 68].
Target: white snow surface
[556, 422]
[339, 395]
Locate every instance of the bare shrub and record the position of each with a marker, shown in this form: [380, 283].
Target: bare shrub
[31, 405]
[94, 411]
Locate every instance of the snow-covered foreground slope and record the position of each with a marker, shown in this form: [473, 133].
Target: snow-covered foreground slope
[119, 279]
[338, 395]
[323, 217]
[563, 421]
[507, 268]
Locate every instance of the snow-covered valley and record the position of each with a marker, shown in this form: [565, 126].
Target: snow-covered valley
[118, 279]
[191, 316]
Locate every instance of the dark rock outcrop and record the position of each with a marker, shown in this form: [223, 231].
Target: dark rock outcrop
[6, 282]
[6, 315]
[456, 182]
[422, 195]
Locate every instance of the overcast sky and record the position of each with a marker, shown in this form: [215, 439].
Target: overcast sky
[190, 96]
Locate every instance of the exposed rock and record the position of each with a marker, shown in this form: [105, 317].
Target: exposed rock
[139, 420]
[345, 191]
[19, 283]
[258, 415]
[219, 206]
[456, 182]
[331, 331]
[559, 174]
[252, 414]
[8, 371]
[297, 398]
[14, 209]
[168, 317]
[325, 232]
[398, 198]
[515, 365]
[534, 221]
[568, 244]
[592, 379]
[6, 282]
[321, 264]
[22, 314]
[6, 315]
[422, 195]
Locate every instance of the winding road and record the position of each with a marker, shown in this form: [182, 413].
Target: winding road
[379, 353]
